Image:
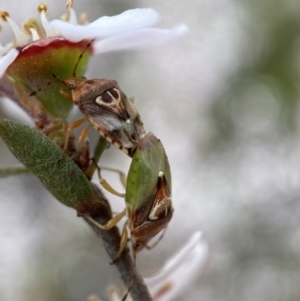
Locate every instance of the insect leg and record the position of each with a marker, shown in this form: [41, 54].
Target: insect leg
[123, 242]
[132, 280]
[66, 95]
[111, 223]
[128, 291]
[84, 133]
[73, 126]
[106, 185]
[119, 172]
[158, 240]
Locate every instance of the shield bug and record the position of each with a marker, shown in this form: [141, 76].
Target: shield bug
[108, 110]
[148, 188]
[148, 192]
[106, 107]
[147, 197]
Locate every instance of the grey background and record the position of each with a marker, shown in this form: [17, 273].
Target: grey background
[224, 100]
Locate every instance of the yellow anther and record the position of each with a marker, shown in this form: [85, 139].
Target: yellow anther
[69, 4]
[43, 8]
[72, 18]
[112, 291]
[93, 298]
[26, 28]
[31, 27]
[31, 30]
[4, 15]
[83, 18]
[65, 17]
[21, 38]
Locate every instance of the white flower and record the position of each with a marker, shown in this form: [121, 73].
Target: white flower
[127, 30]
[178, 273]
[6, 59]
[131, 29]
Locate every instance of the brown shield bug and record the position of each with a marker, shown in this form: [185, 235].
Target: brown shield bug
[106, 107]
[108, 110]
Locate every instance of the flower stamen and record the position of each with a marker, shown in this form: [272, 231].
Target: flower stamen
[65, 18]
[69, 4]
[43, 10]
[31, 27]
[34, 34]
[73, 17]
[84, 18]
[4, 15]
[21, 39]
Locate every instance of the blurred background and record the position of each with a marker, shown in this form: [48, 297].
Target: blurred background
[224, 100]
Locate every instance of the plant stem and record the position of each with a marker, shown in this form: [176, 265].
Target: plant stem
[12, 171]
[111, 241]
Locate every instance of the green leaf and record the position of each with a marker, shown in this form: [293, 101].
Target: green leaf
[57, 172]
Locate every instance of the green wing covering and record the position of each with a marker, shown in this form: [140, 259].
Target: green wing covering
[148, 160]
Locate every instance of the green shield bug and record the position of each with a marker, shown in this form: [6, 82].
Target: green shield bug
[148, 192]
[147, 197]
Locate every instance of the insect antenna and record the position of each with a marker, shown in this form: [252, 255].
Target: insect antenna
[58, 79]
[32, 93]
[66, 95]
[45, 86]
[69, 86]
[157, 241]
[81, 55]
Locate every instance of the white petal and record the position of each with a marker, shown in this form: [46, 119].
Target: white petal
[48, 30]
[180, 271]
[4, 49]
[20, 36]
[141, 38]
[73, 17]
[107, 26]
[7, 59]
